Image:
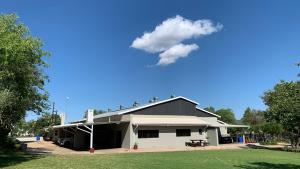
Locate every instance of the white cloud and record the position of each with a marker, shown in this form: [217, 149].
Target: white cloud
[167, 37]
[175, 52]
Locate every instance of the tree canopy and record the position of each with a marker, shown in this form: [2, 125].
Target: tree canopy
[253, 117]
[210, 109]
[227, 116]
[96, 112]
[284, 107]
[22, 78]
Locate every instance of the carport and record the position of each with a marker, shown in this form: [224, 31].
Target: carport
[98, 134]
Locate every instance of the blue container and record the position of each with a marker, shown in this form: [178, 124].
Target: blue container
[38, 138]
[241, 139]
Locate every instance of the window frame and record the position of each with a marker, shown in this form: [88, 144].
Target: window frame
[151, 134]
[180, 133]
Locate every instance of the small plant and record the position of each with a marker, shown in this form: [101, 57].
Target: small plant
[291, 149]
[135, 146]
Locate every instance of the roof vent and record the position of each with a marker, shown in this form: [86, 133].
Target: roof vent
[135, 104]
[108, 110]
[155, 99]
[172, 96]
[122, 107]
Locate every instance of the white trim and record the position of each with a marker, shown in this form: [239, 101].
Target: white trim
[83, 124]
[83, 130]
[166, 125]
[207, 112]
[237, 126]
[231, 126]
[68, 125]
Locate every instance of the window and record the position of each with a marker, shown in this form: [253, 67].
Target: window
[200, 131]
[183, 132]
[148, 134]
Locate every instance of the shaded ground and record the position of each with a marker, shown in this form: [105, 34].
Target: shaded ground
[48, 147]
[10, 158]
[213, 159]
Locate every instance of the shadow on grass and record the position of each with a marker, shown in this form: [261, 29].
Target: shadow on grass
[10, 158]
[253, 146]
[265, 165]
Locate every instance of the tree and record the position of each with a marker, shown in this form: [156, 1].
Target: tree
[21, 74]
[96, 112]
[248, 116]
[284, 107]
[273, 128]
[42, 124]
[227, 115]
[210, 109]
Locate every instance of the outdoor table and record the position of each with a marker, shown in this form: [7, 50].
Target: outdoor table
[194, 142]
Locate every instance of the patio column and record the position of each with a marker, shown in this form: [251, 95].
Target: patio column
[91, 139]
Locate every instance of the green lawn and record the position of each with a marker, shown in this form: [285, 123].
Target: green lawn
[221, 159]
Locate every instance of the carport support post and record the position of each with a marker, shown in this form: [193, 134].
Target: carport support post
[91, 139]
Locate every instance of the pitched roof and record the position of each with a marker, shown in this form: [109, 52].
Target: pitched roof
[207, 112]
[131, 109]
[128, 110]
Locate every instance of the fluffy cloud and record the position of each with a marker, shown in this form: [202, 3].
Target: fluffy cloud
[167, 37]
[175, 52]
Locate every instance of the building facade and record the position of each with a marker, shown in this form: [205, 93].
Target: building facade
[167, 123]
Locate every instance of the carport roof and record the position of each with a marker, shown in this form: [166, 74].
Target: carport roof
[220, 123]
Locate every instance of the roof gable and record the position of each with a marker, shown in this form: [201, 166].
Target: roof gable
[133, 109]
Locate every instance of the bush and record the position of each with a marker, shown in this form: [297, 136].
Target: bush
[10, 144]
[269, 142]
[291, 149]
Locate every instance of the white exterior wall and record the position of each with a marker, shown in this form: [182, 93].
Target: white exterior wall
[211, 120]
[167, 136]
[213, 137]
[223, 131]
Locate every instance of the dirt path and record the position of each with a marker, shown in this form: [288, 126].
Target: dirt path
[48, 147]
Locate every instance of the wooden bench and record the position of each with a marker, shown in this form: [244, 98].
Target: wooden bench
[195, 143]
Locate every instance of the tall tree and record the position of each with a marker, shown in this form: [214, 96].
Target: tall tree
[210, 109]
[22, 78]
[248, 116]
[96, 112]
[227, 115]
[44, 122]
[284, 107]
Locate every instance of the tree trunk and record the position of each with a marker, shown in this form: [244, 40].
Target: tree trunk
[297, 143]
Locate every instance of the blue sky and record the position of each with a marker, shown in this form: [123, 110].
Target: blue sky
[93, 64]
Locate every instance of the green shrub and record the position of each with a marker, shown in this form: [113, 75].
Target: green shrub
[10, 143]
[269, 142]
[292, 149]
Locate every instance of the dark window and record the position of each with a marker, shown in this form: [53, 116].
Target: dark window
[201, 131]
[148, 134]
[183, 132]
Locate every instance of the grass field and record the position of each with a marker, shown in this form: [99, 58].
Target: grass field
[221, 159]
